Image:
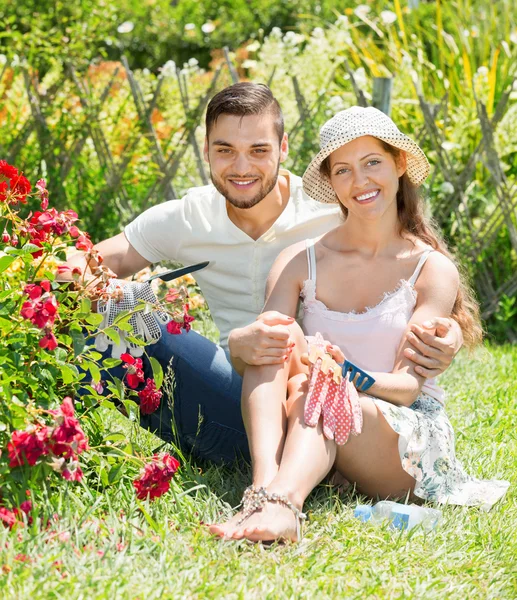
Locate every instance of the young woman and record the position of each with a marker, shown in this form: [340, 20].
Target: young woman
[365, 286]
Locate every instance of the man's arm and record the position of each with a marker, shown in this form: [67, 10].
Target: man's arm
[267, 340]
[434, 353]
[118, 254]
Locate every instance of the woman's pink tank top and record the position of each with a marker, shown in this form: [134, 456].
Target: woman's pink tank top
[372, 338]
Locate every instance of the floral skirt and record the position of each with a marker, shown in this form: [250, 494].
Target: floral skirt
[427, 453]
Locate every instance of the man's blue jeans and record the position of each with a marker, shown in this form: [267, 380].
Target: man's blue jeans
[204, 415]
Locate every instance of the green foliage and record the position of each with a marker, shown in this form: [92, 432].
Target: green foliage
[48, 330]
[105, 545]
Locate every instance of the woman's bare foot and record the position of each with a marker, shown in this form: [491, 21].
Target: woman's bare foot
[274, 522]
[228, 529]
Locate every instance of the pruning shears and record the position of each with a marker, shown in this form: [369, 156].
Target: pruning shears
[177, 273]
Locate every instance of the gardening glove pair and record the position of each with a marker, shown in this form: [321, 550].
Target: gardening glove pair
[124, 296]
[331, 396]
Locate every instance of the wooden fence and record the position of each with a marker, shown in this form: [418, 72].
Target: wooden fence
[477, 245]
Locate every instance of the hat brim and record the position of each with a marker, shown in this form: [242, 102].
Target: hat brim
[318, 187]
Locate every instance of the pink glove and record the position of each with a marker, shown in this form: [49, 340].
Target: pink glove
[331, 396]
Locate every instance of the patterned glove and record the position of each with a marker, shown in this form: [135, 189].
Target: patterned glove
[145, 323]
[331, 396]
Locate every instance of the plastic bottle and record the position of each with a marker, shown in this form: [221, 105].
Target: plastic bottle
[399, 516]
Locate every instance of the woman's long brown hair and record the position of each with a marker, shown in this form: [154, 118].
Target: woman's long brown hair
[413, 220]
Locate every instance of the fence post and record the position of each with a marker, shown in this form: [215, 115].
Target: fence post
[381, 96]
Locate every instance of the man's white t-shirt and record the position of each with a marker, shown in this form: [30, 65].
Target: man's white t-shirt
[197, 228]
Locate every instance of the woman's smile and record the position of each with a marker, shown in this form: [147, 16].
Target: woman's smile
[367, 197]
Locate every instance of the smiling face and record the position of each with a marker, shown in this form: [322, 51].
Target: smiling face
[244, 154]
[365, 177]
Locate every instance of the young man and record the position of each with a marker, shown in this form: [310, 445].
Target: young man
[240, 223]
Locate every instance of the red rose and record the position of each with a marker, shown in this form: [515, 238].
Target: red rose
[68, 438]
[154, 480]
[135, 373]
[7, 517]
[48, 341]
[27, 446]
[174, 327]
[149, 398]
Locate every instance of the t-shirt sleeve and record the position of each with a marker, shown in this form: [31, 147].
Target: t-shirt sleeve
[158, 232]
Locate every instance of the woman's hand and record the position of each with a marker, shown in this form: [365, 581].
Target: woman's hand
[435, 344]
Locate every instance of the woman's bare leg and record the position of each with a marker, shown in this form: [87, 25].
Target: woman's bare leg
[264, 391]
[371, 460]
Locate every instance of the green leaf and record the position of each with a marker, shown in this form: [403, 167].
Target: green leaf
[28, 248]
[125, 314]
[94, 319]
[110, 363]
[85, 307]
[132, 409]
[113, 335]
[78, 341]
[95, 371]
[125, 326]
[6, 261]
[115, 437]
[136, 340]
[157, 371]
[115, 473]
[69, 373]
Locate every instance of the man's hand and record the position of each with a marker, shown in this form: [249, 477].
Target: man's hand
[265, 342]
[436, 343]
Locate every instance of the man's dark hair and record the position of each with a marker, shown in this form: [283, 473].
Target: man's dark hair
[244, 99]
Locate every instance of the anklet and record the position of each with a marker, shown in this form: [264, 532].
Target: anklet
[254, 499]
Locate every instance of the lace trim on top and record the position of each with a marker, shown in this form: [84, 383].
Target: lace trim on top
[404, 301]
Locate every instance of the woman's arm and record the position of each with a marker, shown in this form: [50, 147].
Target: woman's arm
[437, 288]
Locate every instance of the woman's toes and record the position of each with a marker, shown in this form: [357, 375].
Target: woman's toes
[216, 529]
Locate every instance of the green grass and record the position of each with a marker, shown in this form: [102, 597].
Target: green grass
[119, 549]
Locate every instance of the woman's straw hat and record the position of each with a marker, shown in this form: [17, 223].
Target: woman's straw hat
[350, 124]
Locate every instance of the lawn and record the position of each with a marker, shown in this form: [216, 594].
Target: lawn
[106, 545]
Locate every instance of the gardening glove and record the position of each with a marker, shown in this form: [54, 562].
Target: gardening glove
[145, 324]
[330, 396]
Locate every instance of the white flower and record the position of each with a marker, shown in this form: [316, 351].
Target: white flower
[292, 39]
[335, 104]
[362, 10]
[447, 188]
[146, 72]
[276, 32]
[207, 27]
[249, 64]
[482, 71]
[190, 27]
[3, 59]
[193, 63]
[126, 27]
[513, 36]
[448, 146]
[253, 47]
[342, 21]
[15, 61]
[318, 32]
[169, 69]
[388, 17]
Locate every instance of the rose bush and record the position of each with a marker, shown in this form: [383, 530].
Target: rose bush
[47, 329]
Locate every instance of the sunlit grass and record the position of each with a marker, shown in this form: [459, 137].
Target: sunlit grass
[106, 545]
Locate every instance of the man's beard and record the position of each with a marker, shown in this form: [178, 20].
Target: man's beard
[266, 186]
